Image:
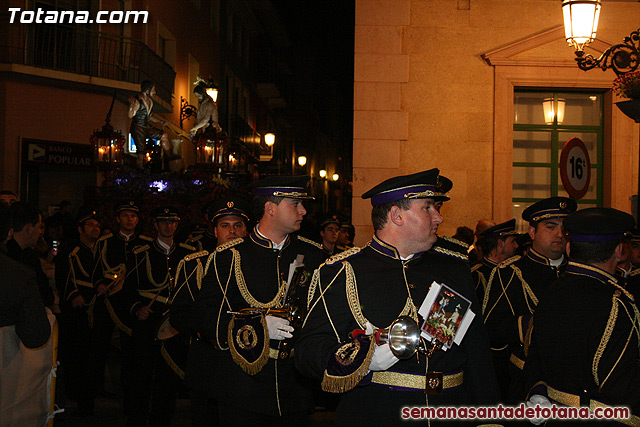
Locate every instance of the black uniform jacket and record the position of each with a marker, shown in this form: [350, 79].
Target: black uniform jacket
[20, 302]
[76, 274]
[277, 388]
[517, 286]
[150, 274]
[570, 329]
[380, 298]
[481, 272]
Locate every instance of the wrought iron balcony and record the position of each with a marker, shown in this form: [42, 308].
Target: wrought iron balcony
[66, 48]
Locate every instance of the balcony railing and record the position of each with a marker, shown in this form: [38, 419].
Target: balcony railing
[89, 53]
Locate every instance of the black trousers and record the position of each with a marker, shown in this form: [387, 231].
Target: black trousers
[155, 385]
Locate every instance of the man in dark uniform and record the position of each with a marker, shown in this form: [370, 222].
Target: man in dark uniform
[147, 290]
[585, 344]
[255, 382]
[346, 235]
[369, 288]
[115, 251]
[498, 244]
[516, 285]
[75, 275]
[228, 219]
[231, 218]
[329, 230]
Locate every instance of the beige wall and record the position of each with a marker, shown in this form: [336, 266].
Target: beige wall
[424, 97]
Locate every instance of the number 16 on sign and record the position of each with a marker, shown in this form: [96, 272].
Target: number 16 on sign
[575, 168]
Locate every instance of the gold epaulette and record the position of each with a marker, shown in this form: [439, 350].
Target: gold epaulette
[229, 244]
[139, 249]
[509, 261]
[184, 245]
[635, 272]
[304, 239]
[147, 238]
[450, 253]
[476, 266]
[455, 241]
[342, 255]
[195, 238]
[74, 251]
[195, 255]
[105, 237]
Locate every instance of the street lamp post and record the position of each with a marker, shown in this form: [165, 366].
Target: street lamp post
[580, 23]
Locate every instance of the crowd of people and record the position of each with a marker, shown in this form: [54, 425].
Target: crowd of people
[261, 324]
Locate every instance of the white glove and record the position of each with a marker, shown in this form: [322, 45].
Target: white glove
[279, 329]
[383, 358]
[538, 400]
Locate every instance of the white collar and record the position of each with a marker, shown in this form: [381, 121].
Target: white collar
[277, 246]
[163, 245]
[556, 262]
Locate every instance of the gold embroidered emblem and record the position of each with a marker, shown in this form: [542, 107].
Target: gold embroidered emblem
[563, 205]
[229, 205]
[246, 337]
[434, 382]
[166, 211]
[346, 354]
[131, 203]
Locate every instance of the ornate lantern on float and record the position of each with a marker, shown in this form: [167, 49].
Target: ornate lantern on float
[211, 149]
[108, 144]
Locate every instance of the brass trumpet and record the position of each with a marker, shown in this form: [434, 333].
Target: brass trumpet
[403, 337]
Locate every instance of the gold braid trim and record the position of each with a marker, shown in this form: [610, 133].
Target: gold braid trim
[230, 244]
[352, 295]
[253, 367]
[455, 241]
[164, 283]
[77, 258]
[124, 328]
[342, 255]
[139, 249]
[635, 272]
[635, 326]
[608, 330]
[312, 287]
[311, 242]
[244, 291]
[104, 256]
[334, 384]
[485, 300]
[195, 255]
[173, 365]
[526, 289]
[509, 261]
[450, 253]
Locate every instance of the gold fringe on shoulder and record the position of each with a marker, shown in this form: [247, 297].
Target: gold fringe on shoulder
[311, 242]
[342, 255]
[455, 241]
[450, 253]
[509, 261]
[139, 249]
[335, 384]
[230, 244]
[255, 367]
[105, 237]
[195, 255]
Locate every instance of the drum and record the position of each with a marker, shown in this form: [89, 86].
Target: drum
[165, 330]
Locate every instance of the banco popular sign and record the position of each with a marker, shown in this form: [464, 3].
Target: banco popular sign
[37, 152]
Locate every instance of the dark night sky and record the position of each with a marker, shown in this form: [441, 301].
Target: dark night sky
[322, 34]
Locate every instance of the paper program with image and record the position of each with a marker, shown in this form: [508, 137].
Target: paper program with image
[446, 315]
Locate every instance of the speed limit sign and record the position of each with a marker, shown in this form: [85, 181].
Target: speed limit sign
[575, 168]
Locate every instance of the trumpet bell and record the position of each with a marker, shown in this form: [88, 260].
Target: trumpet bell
[403, 336]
